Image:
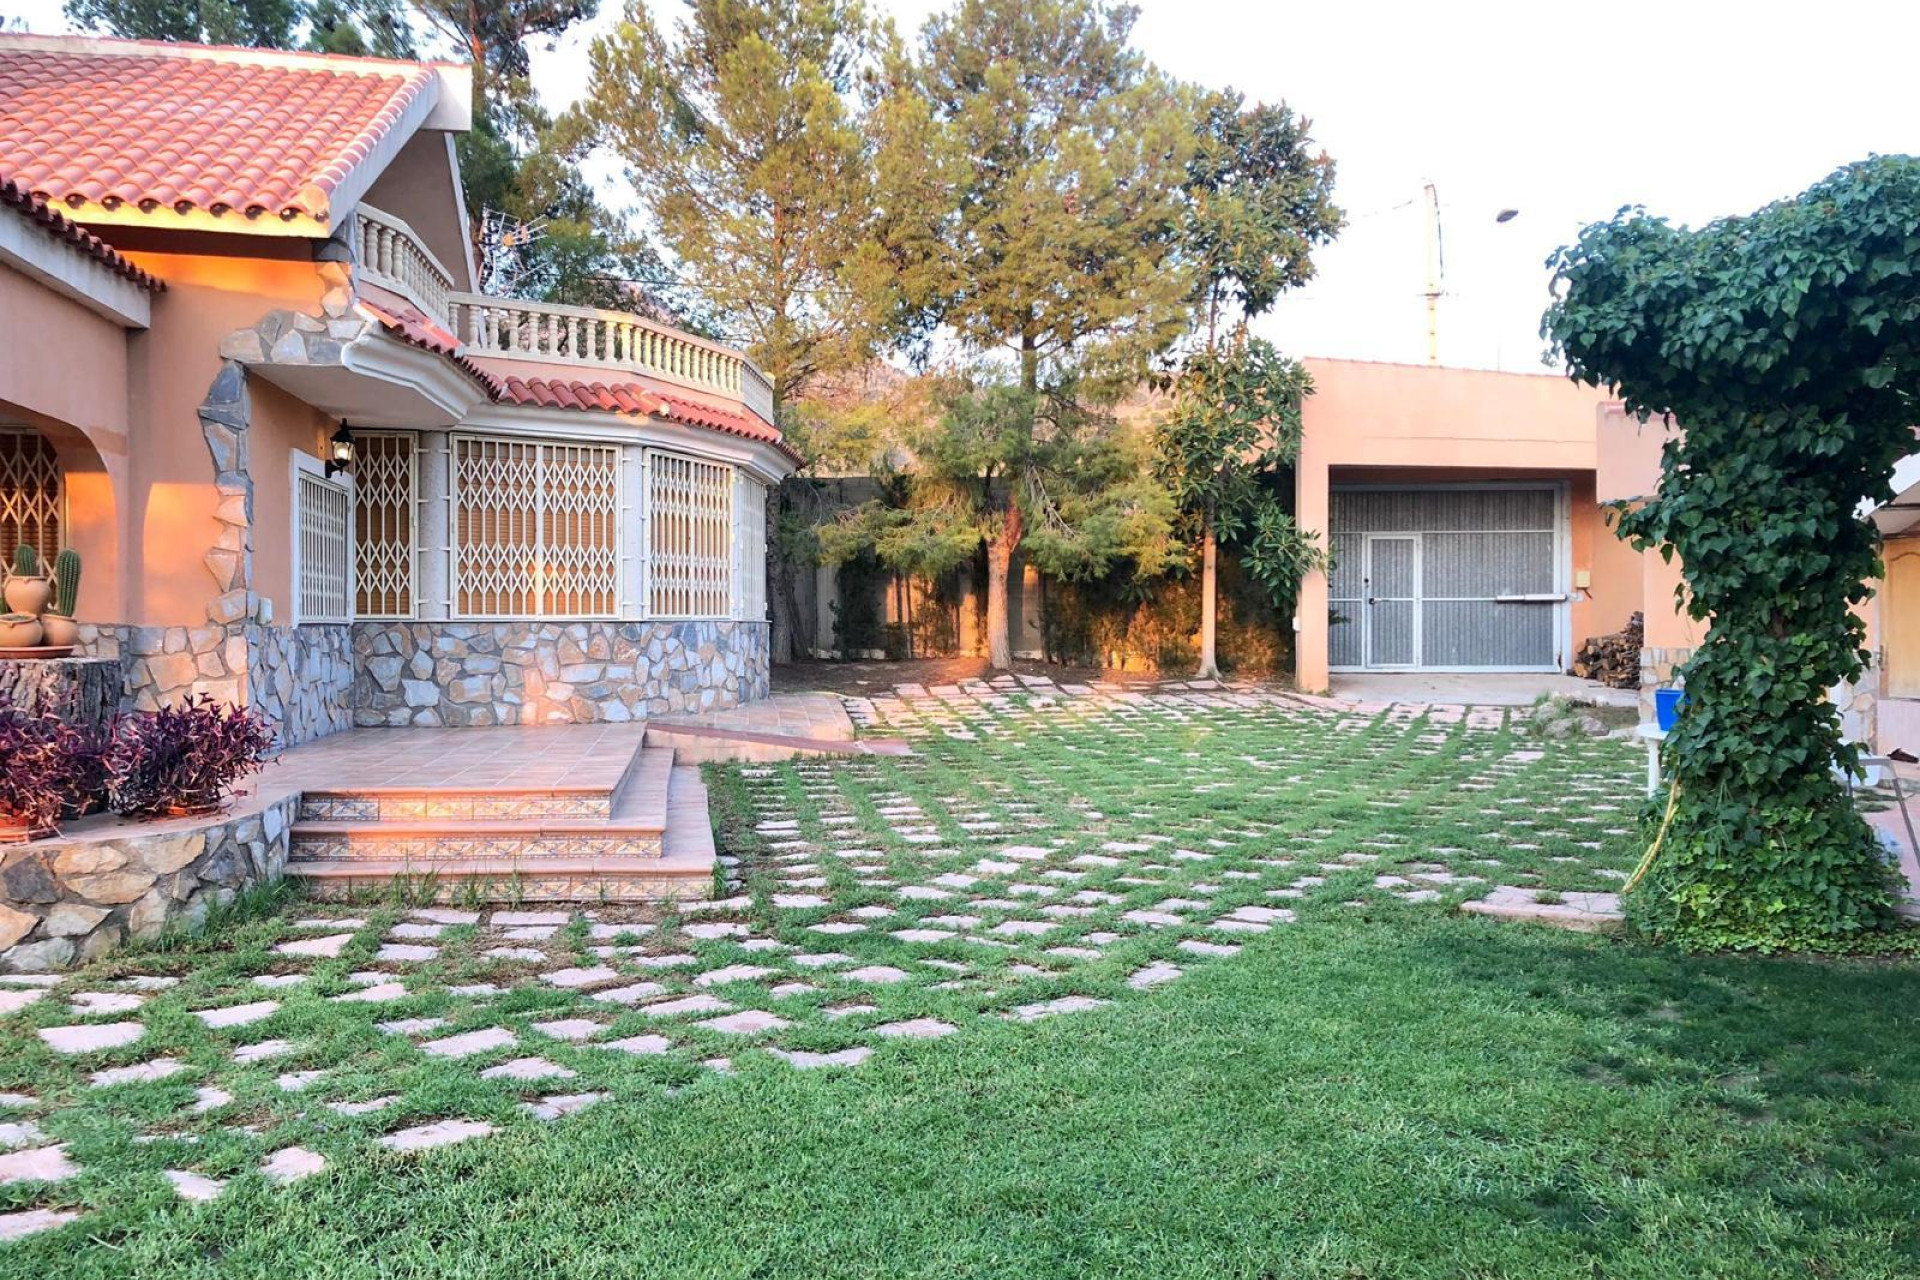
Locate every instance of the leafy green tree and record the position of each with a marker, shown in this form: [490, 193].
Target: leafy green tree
[1033, 188]
[270, 24]
[745, 129]
[1000, 466]
[1235, 424]
[742, 129]
[1259, 201]
[1782, 343]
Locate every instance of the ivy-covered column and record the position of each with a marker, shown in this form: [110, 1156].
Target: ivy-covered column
[1780, 343]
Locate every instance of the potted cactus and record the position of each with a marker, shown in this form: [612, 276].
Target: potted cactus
[27, 588]
[57, 622]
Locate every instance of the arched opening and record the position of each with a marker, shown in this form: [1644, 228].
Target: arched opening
[57, 491]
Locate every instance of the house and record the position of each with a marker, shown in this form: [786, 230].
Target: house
[246, 373]
[1468, 513]
[1464, 512]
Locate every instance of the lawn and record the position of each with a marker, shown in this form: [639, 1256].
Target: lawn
[1374, 1087]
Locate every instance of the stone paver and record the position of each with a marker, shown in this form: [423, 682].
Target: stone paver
[574, 1029]
[138, 1073]
[238, 1015]
[37, 1164]
[469, 1043]
[528, 1069]
[441, 1133]
[327, 948]
[746, 1023]
[194, 1186]
[642, 1045]
[1048, 1008]
[290, 1164]
[685, 1005]
[556, 1105]
[916, 1029]
[840, 1058]
[92, 1038]
[15, 1226]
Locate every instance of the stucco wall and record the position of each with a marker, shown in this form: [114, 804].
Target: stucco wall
[62, 360]
[173, 498]
[1391, 423]
[481, 673]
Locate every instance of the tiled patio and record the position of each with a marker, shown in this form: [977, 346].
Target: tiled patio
[547, 758]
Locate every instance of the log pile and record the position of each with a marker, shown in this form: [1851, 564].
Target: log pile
[1613, 660]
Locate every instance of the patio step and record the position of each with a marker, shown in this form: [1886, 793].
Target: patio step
[651, 840]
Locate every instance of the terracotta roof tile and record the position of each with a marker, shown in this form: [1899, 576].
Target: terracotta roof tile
[183, 129]
[37, 212]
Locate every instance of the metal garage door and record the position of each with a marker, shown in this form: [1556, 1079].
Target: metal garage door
[1445, 579]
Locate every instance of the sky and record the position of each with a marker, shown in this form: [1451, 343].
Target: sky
[1693, 108]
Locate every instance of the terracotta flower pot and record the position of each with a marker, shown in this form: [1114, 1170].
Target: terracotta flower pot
[20, 632]
[18, 830]
[27, 595]
[56, 629]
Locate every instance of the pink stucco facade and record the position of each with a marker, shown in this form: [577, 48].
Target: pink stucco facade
[1418, 426]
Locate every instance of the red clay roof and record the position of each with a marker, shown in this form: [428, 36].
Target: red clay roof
[114, 125]
[634, 396]
[49, 220]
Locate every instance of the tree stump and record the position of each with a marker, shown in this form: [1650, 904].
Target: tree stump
[81, 691]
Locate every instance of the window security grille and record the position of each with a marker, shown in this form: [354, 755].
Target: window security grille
[535, 528]
[690, 547]
[322, 526]
[32, 494]
[384, 467]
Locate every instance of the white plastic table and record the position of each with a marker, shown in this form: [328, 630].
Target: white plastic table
[1653, 735]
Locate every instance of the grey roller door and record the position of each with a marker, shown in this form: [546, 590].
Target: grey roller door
[1433, 578]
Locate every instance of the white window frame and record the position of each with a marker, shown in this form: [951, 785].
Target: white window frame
[308, 469]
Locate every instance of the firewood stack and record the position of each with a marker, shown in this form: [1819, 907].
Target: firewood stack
[1615, 659]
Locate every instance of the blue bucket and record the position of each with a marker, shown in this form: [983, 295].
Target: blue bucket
[1666, 707]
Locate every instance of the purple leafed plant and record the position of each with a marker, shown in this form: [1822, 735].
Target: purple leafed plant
[36, 775]
[184, 758]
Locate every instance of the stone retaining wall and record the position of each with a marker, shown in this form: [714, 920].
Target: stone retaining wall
[81, 895]
[481, 673]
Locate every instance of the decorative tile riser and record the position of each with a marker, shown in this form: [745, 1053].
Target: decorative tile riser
[323, 807]
[530, 888]
[443, 848]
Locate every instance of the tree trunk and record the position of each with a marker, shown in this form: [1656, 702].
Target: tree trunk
[1209, 605]
[999, 566]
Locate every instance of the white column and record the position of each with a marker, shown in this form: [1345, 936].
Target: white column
[434, 591]
[633, 532]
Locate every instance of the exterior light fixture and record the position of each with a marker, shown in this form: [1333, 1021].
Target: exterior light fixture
[339, 450]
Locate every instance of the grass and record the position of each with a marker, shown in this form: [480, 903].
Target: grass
[1380, 1090]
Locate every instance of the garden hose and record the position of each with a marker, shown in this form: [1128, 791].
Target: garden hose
[1653, 850]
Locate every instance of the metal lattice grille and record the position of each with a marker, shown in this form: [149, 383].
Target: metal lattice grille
[535, 528]
[32, 497]
[751, 552]
[323, 516]
[690, 547]
[1481, 591]
[383, 469]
